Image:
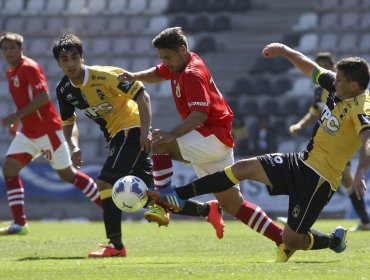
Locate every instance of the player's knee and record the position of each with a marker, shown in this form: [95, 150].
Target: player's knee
[102, 185]
[231, 206]
[11, 167]
[67, 175]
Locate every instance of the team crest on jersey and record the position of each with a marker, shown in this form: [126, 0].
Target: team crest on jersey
[100, 94]
[16, 81]
[178, 92]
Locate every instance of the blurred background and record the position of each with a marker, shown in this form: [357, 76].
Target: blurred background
[265, 94]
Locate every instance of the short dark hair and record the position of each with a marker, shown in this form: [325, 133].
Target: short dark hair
[11, 36]
[171, 38]
[355, 69]
[67, 42]
[327, 56]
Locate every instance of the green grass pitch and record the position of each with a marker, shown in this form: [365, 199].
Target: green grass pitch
[184, 250]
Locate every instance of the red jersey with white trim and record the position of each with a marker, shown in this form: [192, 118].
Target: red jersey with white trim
[25, 82]
[194, 90]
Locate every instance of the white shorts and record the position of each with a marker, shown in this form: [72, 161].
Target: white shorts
[58, 159]
[207, 155]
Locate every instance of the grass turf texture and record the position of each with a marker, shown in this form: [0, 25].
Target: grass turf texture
[184, 250]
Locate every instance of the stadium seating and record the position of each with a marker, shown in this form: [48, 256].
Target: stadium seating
[229, 35]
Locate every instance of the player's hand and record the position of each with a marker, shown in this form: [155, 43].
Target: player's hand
[10, 120]
[126, 77]
[146, 142]
[359, 185]
[13, 128]
[76, 158]
[161, 137]
[272, 50]
[294, 129]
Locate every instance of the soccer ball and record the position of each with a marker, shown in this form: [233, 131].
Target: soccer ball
[129, 193]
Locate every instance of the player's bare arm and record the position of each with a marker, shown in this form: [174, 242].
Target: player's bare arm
[194, 120]
[147, 76]
[308, 119]
[38, 101]
[302, 62]
[359, 185]
[143, 102]
[71, 135]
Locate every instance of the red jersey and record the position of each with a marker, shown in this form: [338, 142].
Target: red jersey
[194, 90]
[25, 82]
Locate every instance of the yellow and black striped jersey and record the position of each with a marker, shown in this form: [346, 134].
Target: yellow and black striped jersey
[103, 98]
[336, 134]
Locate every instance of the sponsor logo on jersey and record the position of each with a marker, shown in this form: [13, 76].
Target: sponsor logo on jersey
[97, 111]
[332, 123]
[198, 103]
[296, 211]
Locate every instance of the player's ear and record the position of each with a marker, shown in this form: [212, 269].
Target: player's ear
[183, 50]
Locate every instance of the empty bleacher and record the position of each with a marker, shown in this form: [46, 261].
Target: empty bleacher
[228, 34]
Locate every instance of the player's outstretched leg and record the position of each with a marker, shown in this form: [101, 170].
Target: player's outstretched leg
[167, 197]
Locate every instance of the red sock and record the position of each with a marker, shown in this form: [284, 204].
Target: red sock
[253, 216]
[15, 193]
[88, 187]
[162, 170]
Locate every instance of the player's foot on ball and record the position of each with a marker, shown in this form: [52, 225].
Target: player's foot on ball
[108, 251]
[168, 197]
[157, 214]
[13, 228]
[215, 218]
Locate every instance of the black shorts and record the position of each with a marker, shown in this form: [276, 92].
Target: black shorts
[308, 192]
[125, 157]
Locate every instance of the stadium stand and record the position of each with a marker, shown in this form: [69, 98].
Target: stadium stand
[228, 34]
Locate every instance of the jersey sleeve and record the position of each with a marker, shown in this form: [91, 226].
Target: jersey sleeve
[197, 95]
[67, 110]
[324, 78]
[36, 79]
[362, 118]
[130, 90]
[163, 71]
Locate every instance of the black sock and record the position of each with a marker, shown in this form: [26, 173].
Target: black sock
[359, 206]
[112, 220]
[194, 208]
[217, 182]
[320, 240]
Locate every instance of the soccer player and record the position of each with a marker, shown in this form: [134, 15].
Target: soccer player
[204, 137]
[311, 177]
[122, 111]
[41, 132]
[326, 60]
